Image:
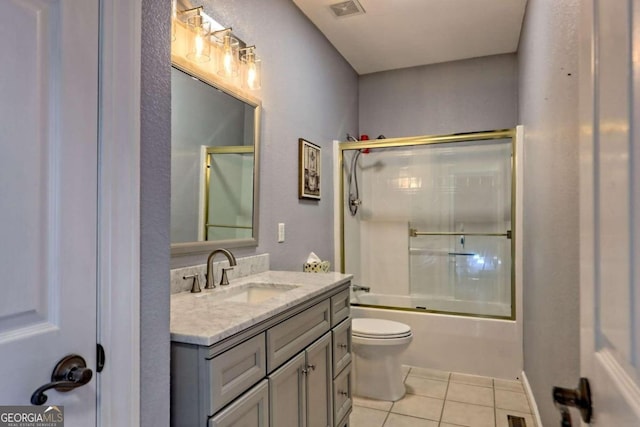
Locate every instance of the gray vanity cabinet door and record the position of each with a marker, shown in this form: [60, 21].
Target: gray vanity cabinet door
[319, 380]
[342, 395]
[341, 346]
[249, 410]
[287, 394]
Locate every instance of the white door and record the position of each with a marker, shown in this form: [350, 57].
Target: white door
[48, 198]
[610, 209]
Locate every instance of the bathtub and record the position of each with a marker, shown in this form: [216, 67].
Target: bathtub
[473, 345]
[433, 304]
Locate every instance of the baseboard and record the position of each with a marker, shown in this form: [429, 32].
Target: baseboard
[532, 399]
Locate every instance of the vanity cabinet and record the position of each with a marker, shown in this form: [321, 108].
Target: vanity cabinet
[252, 409]
[292, 369]
[301, 390]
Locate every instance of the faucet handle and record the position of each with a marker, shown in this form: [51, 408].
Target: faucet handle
[195, 287]
[224, 280]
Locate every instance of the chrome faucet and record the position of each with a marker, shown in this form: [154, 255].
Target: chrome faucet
[223, 280]
[360, 288]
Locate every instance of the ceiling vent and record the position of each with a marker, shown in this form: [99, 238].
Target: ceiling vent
[347, 8]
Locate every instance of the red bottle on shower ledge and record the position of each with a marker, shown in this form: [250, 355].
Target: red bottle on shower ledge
[364, 137]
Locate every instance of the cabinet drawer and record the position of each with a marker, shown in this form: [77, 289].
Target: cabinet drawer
[294, 334]
[344, 422]
[234, 371]
[342, 395]
[250, 410]
[340, 307]
[341, 346]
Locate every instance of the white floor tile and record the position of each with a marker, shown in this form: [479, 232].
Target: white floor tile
[467, 393]
[472, 379]
[397, 420]
[512, 400]
[499, 384]
[426, 387]
[365, 417]
[434, 374]
[465, 414]
[382, 405]
[419, 406]
[471, 401]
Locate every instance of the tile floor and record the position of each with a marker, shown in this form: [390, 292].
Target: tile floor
[444, 399]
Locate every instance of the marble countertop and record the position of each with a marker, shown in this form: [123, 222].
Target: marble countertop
[204, 319]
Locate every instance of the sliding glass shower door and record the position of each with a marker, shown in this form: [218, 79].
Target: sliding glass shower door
[433, 228]
[460, 229]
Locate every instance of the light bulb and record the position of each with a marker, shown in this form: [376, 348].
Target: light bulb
[252, 75]
[251, 78]
[228, 56]
[199, 45]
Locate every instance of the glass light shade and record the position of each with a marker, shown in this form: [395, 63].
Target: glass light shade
[228, 56]
[198, 45]
[252, 72]
[174, 19]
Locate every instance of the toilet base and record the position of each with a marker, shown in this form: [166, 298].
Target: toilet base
[379, 378]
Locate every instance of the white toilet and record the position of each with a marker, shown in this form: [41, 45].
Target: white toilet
[377, 345]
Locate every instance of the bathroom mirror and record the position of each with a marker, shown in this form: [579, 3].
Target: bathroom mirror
[214, 164]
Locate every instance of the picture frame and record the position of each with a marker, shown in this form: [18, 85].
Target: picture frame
[309, 169]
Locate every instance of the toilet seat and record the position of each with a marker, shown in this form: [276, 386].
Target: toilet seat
[379, 329]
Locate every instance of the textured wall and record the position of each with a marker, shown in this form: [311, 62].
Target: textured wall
[548, 60]
[462, 96]
[155, 136]
[308, 91]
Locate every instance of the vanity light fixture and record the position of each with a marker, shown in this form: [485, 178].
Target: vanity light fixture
[233, 60]
[198, 45]
[251, 65]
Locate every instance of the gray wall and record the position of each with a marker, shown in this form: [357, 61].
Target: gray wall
[308, 91]
[548, 61]
[462, 96]
[155, 134]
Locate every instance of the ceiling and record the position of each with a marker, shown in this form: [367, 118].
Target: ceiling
[393, 34]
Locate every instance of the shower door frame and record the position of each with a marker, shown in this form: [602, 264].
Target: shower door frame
[429, 140]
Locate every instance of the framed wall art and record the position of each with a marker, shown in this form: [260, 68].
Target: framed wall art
[309, 170]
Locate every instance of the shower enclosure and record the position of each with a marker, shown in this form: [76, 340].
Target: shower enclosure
[428, 223]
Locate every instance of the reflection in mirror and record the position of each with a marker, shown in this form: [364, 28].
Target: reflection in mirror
[229, 193]
[213, 166]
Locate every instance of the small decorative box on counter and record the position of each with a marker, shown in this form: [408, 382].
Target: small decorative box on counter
[317, 267]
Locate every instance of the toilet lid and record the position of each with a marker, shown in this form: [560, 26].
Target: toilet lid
[379, 328]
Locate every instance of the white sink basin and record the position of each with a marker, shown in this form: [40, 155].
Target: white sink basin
[250, 293]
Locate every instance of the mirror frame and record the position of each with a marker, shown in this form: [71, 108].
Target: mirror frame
[212, 79]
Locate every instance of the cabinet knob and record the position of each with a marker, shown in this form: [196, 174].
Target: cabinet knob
[343, 345]
[343, 393]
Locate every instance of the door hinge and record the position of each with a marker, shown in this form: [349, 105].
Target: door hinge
[100, 358]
